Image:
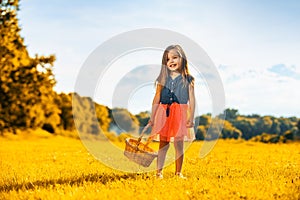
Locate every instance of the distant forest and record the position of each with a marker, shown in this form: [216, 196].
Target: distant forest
[28, 101]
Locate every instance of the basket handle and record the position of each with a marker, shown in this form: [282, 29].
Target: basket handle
[142, 134]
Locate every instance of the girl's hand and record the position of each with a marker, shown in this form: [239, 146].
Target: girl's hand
[190, 124]
[150, 123]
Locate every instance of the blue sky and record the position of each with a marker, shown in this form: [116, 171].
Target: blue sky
[254, 44]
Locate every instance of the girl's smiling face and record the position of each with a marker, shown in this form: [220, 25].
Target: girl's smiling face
[174, 61]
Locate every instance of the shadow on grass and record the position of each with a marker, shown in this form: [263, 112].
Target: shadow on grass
[95, 178]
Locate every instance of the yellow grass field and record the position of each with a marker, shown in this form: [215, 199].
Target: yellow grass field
[61, 168]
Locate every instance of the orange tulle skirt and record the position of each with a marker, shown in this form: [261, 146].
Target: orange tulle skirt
[173, 125]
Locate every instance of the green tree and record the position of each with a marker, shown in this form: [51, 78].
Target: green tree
[229, 131]
[143, 118]
[263, 125]
[123, 120]
[298, 132]
[231, 114]
[285, 124]
[85, 115]
[204, 120]
[200, 132]
[245, 125]
[86, 112]
[275, 129]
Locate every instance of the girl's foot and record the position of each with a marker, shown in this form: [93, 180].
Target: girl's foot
[159, 176]
[179, 175]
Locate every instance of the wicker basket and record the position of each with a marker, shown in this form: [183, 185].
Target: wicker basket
[138, 152]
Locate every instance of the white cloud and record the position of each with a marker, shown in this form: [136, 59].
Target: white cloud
[261, 92]
[235, 35]
[282, 70]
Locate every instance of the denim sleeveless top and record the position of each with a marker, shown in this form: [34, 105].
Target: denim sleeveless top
[175, 91]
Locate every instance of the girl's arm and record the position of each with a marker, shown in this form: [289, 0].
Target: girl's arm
[190, 120]
[155, 104]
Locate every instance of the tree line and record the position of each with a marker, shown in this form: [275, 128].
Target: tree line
[28, 101]
[251, 127]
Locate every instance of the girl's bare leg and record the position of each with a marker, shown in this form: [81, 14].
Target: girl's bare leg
[163, 148]
[179, 155]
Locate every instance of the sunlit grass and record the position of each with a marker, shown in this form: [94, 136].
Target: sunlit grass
[61, 168]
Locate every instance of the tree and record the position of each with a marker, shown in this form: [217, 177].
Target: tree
[26, 84]
[275, 129]
[124, 121]
[200, 132]
[285, 124]
[263, 125]
[231, 114]
[204, 120]
[102, 113]
[143, 118]
[229, 131]
[84, 115]
[64, 103]
[298, 133]
[245, 125]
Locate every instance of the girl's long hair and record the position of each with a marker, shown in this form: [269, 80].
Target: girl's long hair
[164, 71]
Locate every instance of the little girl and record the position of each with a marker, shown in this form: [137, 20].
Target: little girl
[173, 106]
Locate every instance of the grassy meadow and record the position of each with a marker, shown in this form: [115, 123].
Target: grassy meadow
[55, 167]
